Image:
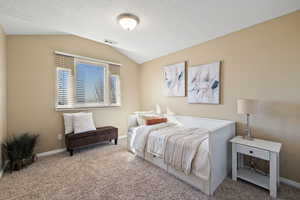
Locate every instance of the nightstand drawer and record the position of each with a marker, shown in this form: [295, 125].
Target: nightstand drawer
[258, 153]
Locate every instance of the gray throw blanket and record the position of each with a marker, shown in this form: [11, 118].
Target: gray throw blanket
[181, 148]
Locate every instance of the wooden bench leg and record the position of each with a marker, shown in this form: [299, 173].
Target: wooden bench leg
[116, 141]
[71, 152]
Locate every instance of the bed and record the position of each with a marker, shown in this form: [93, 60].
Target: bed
[209, 168]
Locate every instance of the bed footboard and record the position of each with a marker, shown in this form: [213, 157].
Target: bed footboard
[220, 153]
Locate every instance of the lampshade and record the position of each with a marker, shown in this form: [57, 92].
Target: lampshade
[246, 106]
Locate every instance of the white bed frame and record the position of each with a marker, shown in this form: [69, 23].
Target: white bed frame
[221, 131]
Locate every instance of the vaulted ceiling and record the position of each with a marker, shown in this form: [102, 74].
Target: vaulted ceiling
[165, 26]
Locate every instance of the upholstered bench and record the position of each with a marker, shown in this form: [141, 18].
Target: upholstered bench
[78, 140]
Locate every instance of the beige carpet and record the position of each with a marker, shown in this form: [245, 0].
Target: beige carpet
[109, 172]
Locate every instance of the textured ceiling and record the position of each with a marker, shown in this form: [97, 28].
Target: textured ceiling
[165, 26]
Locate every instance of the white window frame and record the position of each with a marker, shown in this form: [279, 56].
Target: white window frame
[78, 106]
[106, 89]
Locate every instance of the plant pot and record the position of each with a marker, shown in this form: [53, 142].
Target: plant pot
[28, 161]
[19, 164]
[15, 165]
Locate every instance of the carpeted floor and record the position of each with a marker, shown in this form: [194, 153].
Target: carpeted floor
[110, 172]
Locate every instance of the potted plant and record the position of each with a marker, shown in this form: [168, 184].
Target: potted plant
[19, 150]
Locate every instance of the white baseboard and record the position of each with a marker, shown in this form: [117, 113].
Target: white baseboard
[1, 172]
[49, 153]
[290, 182]
[2, 169]
[56, 151]
[122, 137]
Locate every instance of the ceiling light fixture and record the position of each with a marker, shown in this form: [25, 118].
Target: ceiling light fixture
[128, 21]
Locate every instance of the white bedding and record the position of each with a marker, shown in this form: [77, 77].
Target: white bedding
[194, 156]
[157, 139]
[181, 148]
[141, 136]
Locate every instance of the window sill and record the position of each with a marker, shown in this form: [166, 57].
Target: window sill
[85, 107]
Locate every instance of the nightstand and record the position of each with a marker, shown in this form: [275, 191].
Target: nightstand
[257, 148]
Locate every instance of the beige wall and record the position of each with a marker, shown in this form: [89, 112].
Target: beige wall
[261, 62]
[2, 88]
[31, 86]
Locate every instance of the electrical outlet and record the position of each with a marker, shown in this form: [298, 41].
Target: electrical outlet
[59, 136]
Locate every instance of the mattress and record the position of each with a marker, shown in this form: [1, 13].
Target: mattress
[200, 164]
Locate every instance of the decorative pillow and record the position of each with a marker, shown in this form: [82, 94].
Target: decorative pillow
[68, 120]
[83, 122]
[156, 121]
[141, 118]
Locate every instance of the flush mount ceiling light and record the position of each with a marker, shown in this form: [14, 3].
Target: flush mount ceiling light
[128, 21]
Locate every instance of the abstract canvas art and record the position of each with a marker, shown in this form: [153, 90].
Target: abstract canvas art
[174, 79]
[204, 83]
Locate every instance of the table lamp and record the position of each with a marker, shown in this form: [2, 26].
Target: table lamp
[247, 106]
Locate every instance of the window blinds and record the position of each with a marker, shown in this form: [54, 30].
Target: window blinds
[114, 69]
[67, 86]
[66, 62]
[64, 85]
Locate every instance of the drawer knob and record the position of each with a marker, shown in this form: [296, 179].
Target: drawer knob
[250, 151]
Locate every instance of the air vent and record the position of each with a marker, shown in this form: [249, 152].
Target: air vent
[110, 42]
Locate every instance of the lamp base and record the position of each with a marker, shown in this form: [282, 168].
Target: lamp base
[248, 137]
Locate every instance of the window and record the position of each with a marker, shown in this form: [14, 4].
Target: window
[83, 83]
[115, 97]
[90, 83]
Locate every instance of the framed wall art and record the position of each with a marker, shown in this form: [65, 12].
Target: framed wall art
[204, 83]
[174, 79]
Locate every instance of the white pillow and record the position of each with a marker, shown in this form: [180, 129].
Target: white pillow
[68, 120]
[132, 121]
[158, 109]
[83, 122]
[169, 111]
[144, 112]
